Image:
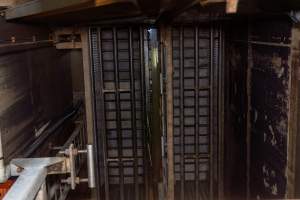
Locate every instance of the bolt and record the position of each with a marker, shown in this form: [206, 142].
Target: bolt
[19, 169]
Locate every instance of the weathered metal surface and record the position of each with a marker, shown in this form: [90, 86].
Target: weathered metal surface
[269, 107]
[264, 47]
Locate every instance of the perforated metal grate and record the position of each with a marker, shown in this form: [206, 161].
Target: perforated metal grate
[195, 56]
[117, 55]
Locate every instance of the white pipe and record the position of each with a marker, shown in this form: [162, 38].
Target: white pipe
[3, 175]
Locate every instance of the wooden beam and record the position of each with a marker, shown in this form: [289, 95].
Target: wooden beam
[36, 7]
[67, 38]
[69, 45]
[209, 2]
[66, 31]
[232, 6]
[55, 7]
[25, 46]
[167, 41]
[7, 3]
[293, 150]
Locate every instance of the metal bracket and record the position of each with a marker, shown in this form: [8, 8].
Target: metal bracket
[72, 153]
[32, 173]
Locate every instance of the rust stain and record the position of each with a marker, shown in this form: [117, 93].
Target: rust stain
[270, 91]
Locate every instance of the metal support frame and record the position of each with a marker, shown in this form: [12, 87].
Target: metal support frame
[32, 172]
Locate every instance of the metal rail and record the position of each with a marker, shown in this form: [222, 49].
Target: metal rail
[211, 111]
[181, 88]
[197, 111]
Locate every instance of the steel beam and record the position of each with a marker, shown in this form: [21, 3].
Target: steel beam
[31, 178]
[52, 7]
[37, 7]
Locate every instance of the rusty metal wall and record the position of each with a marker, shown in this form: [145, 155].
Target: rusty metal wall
[271, 50]
[236, 108]
[259, 64]
[119, 89]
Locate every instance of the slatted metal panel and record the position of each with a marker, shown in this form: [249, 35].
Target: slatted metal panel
[195, 57]
[119, 87]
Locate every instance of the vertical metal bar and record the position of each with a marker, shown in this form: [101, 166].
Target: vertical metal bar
[197, 112]
[133, 116]
[87, 43]
[248, 133]
[221, 114]
[181, 116]
[99, 124]
[103, 132]
[144, 116]
[90, 166]
[118, 113]
[211, 132]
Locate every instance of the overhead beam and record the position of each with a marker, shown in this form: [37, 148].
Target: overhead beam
[53, 7]
[7, 3]
[36, 7]
[232, 6]
[209, 2]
